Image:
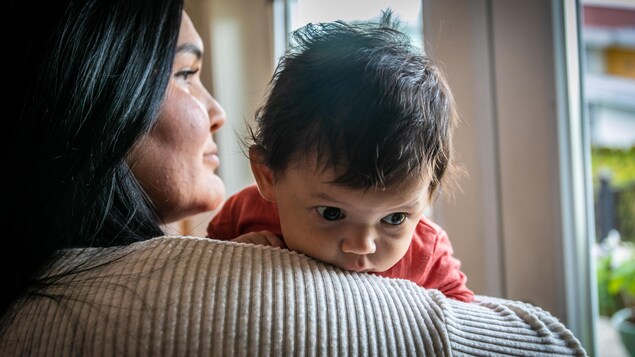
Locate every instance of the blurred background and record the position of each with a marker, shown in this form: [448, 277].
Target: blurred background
[546, 94]
[608, 37]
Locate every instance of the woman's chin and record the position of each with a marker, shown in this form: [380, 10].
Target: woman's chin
[216, 194]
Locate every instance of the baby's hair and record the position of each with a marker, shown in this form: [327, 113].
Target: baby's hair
[364, 99]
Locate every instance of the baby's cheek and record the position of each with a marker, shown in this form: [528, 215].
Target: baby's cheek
[400, 244]
[324, 247]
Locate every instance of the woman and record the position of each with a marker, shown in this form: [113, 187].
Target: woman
[91, 78]
[113, 138]
[92, 87]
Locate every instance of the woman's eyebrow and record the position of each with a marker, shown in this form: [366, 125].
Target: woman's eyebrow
[190, 48]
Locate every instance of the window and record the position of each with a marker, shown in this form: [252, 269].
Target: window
[298, 13]
[608, 37]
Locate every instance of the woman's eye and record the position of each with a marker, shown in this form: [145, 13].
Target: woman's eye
[330, 213]
[186, 73]
[395, 219]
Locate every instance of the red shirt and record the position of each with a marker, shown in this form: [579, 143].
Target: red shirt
[428, 262]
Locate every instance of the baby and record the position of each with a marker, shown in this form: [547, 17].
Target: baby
[349, 150]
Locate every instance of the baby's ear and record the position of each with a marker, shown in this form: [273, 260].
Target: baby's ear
[263, 174]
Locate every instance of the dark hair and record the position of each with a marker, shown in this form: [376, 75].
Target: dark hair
[362, 96]
[87, 80]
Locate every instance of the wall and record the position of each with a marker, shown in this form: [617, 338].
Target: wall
[498, 56]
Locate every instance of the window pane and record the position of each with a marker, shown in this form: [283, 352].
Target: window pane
[307, 11]
[608, 31]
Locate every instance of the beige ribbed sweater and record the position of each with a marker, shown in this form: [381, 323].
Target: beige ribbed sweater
[184, 296]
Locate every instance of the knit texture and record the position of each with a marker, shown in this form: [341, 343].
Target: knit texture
[185, 296]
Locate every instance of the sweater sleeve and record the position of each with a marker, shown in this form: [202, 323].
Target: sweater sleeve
[183, 296]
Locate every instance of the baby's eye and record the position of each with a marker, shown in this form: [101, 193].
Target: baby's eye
[395, 219]
[330, 213]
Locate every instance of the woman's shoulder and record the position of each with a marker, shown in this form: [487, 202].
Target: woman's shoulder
[196, 296]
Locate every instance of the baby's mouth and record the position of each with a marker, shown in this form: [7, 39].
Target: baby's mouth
[359, 266]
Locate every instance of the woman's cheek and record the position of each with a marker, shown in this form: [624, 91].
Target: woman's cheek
[195, 121]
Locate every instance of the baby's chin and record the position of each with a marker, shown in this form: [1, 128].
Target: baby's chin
[367, 268]
[360, 266]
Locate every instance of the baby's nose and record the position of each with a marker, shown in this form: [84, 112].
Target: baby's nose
[361, 244]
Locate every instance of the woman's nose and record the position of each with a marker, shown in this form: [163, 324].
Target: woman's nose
[216, 114]
[215, 111]
[360, 243]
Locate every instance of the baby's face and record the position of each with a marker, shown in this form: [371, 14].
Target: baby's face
[355, 229]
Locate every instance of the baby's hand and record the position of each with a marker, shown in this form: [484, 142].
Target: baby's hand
[261, 238]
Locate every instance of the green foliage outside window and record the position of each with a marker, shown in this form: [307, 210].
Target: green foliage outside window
[615, 255]
[615, 267]
[620, 163]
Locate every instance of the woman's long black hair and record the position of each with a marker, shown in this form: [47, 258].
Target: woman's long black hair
[84, 83]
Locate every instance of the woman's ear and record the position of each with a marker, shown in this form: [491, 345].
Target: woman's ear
[263, 174]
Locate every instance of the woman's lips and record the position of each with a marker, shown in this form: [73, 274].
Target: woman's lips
[212, 158]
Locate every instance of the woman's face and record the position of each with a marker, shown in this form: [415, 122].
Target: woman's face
[176, 162]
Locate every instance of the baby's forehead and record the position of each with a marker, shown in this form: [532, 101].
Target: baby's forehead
[327, 174]
[409, 195]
